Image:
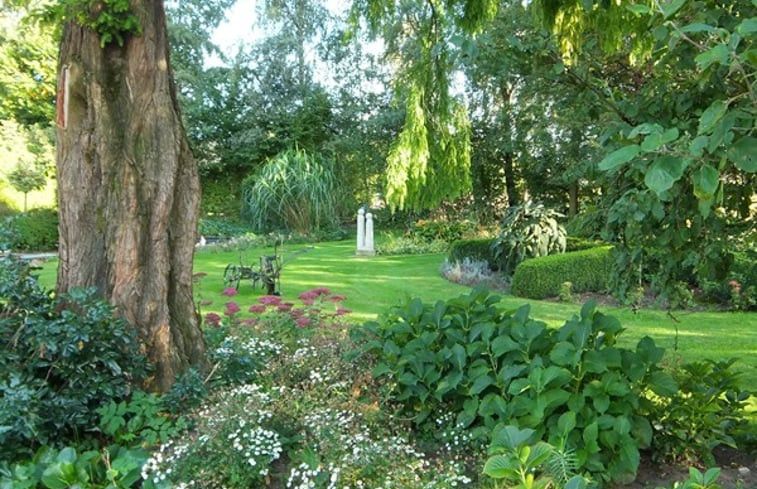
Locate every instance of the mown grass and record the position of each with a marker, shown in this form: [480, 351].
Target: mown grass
[374, 284]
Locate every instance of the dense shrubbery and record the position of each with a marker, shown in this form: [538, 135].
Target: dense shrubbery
[528, 231]
[441, 230]
[35, 230]
[573, 243]
[572, 387]
[587, 271]
[222, 228]
[63, 358]
[474, 249]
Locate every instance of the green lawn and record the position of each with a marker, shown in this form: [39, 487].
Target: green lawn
[373, 284]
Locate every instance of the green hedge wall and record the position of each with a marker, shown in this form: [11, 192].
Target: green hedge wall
[588, 271]
[475, 249]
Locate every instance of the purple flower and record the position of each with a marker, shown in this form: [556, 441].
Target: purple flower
[213, 319]
[342, 311]
[270, 300]
[285, 307]
[321, 291]
[308, 296]
[231, 308]
[257, 308]
[302, 321]
[229, 291]
[338, 298]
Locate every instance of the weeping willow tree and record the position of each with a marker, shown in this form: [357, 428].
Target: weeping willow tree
[430, 160]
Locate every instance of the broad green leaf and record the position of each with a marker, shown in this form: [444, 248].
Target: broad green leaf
[503, 344]
[619, 157]
[565, 354]
[645, 128]
[576, 482]
[743, 153]
[458, 356]
[501, 467]
[698, 145]
[718, 54]
[481, 383]
[697, 27]
[670, 135]
[652, 142]
[711, 116]
[566, 423]
[510, 437]
[663, 384]
[649, 352]
[747, 27]
[671, 7]
[664, 172]
[706, 181]
[711, 476]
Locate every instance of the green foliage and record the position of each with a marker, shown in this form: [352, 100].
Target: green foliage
[528, 231]
[223, 228]
[35, 230]
[139, 421]
[441, 230]
[113, 20]
[572, 385]
[587, 271]
[221, 195]
[63, 358]
[573, 243]
[522, 463]
[115, 467]
[698, 480]
[402, 245]
[708, 408]
[295, 191]
[475, 249]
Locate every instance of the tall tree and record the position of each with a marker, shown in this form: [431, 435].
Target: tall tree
[128, 184]
[430, 160]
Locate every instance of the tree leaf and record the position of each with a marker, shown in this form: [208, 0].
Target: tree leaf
[670, 8]
[747, 27]
[743, 153]
[711, 116]
[718, 54]
[665, 171]
[501, 467]
[619, 157]
[706, 181]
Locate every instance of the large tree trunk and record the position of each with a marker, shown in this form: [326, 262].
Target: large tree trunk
[128, 187]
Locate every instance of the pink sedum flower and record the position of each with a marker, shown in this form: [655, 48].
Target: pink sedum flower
[229, 292]
[257, 308]
[270, 300]
[213, 319]
[342, 311]
[231, 308]
[302, 322]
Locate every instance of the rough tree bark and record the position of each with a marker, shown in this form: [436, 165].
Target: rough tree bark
[129, 189]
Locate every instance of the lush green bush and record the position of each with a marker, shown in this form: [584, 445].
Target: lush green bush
[222, 228]
[221, 195]
[63, 358]
[293, 191]
[115, 467]
[573, 243]
[573, 386]
[474, 249]
[35, 230]
[403, 245]
[587, 271]
[528, 231]
[441, 230]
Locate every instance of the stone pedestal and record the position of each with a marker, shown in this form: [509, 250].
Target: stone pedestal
[365, 245]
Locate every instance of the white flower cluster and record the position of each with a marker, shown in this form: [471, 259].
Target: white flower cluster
[257, 348]
[303, 477]
[158, 467]
[258, 446]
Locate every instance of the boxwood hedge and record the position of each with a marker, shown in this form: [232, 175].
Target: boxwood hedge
[474, 249]
[587, 270]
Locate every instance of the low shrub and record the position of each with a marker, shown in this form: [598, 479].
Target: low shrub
[407, 246]
[441, 230]
[473, 249]
[528, 231]
[586, 270]
[573, 385]
[472, 272]
[35, 230]
[222, 228]
[573, 243]
[63, 358]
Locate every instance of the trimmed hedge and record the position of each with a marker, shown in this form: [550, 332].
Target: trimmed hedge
[474, 249]
[587, 271]
[573, 243]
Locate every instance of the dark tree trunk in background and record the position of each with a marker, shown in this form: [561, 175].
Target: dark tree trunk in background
[510, 184]
[128, 187]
